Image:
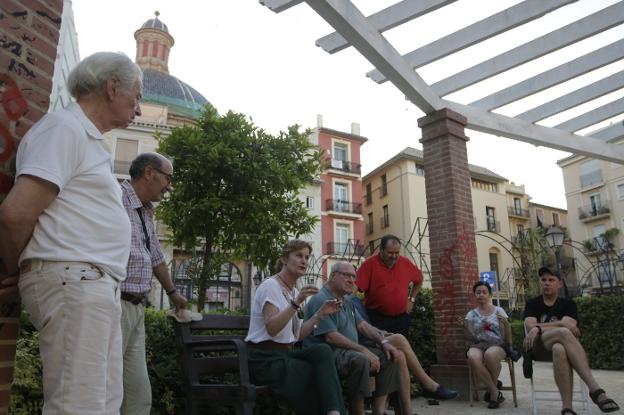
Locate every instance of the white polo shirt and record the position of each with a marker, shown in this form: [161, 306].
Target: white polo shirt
[87, 221]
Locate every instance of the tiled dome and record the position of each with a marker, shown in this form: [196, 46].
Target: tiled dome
[155, 23]
[164, 89]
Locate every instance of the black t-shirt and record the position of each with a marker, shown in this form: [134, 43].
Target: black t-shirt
[535, 307]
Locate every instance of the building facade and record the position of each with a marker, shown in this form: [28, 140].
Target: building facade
[595, 197]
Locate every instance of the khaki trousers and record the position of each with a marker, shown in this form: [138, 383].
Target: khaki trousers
[77, 310]
[137, 398]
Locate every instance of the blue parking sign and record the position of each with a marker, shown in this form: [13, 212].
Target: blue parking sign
[489, 277]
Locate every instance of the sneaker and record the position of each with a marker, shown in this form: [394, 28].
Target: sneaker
[527, 365]
[442, 393]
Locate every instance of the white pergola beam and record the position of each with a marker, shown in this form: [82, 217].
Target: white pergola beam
[280, 5]
[496, 124]
[575, 98]
[567, 35]
[610, 133]
[593, 117]
[386, 19]
[576, 67]
[484, 29]
[347, 20]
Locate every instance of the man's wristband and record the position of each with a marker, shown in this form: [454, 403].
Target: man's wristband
[175, 290]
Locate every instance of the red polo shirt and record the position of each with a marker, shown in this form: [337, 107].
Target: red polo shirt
[386, 288]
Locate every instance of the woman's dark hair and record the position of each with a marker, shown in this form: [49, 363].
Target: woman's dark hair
[480, 283]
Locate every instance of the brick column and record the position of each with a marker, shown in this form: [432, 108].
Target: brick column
[29, 32]
[451, 240]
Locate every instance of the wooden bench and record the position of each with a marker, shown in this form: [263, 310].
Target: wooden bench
[216, 355]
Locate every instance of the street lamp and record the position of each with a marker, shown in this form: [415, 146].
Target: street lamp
[554, 237]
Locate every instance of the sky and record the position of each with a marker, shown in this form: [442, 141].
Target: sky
[243, 57]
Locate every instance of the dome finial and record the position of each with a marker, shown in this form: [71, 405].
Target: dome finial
[157, 13]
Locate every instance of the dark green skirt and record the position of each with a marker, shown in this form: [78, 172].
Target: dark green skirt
[306, 379]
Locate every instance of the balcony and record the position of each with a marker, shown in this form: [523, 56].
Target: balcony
[343, 206]
[346, 166]
[345, 249]
[122, 167]
[593, 212]
[518, 212]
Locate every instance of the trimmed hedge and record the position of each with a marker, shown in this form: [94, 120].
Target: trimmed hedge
[600, 321]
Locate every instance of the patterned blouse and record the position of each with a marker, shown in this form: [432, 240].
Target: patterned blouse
[485, 328]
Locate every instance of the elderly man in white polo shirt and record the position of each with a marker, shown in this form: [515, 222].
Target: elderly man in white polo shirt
[65, 233]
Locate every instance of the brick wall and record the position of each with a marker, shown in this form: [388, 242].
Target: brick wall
[29, 34]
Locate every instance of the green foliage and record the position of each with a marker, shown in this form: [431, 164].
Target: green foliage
[236, 189]
[422, 331]
[533, 254]
[26, 390]
[602, 330]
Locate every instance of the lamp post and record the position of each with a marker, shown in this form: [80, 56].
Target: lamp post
[554, 237]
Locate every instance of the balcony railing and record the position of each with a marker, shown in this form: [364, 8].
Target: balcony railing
[345, 166]
[516, 211]
[347, 249]
[122, 167]
[343, 206]
[492, 225]
[590, 211]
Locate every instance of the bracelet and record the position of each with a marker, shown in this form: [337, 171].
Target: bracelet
[411, 300]
[175, 290]
[294, 305]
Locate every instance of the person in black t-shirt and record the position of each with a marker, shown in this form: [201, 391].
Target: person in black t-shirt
[552, 333]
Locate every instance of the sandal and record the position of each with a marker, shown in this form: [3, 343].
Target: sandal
[495, 404]
[486, 395]
[605, 405]
[569, 411]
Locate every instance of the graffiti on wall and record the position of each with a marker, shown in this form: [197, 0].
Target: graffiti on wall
[13, 107]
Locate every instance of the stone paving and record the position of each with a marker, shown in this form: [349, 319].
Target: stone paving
[611, 381]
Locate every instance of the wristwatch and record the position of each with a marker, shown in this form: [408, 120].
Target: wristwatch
[411, 299]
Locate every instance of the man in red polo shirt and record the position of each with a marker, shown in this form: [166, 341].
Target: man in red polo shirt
[385, 279]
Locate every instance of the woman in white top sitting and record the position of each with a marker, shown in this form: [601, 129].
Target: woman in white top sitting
[305, 378]
[487, 331]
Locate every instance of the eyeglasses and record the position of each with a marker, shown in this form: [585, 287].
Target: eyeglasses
[168, 176]
[348, 275]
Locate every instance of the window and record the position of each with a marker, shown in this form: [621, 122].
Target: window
[591, 174]
[369, 194]
[340, 152]
[371, 247]
[490, 218]
[384, 185]
[595, 203]
[341, 197]
[539, 216]
[343, 231]
[385, 220]
[620, 191]
[517, 206]
[494, 265]
[555, 216]
[125, 152]
[309, 202]
[420, 170]
[369, 225]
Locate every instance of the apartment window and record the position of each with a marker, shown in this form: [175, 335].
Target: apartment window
[341, 197]
[494, 262]
[309, 202]
[490, 218]
[384, 185]
[591, 174]
[595, 203]
[555, 216]
[369, 194]
[517, 206]
[369, 226]
[420, 169]
[385, 220]
[620, 191]
[125, 152]
[341, 152]
[371, 247]
[343, 232]
[520, 229]
[539, 216]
